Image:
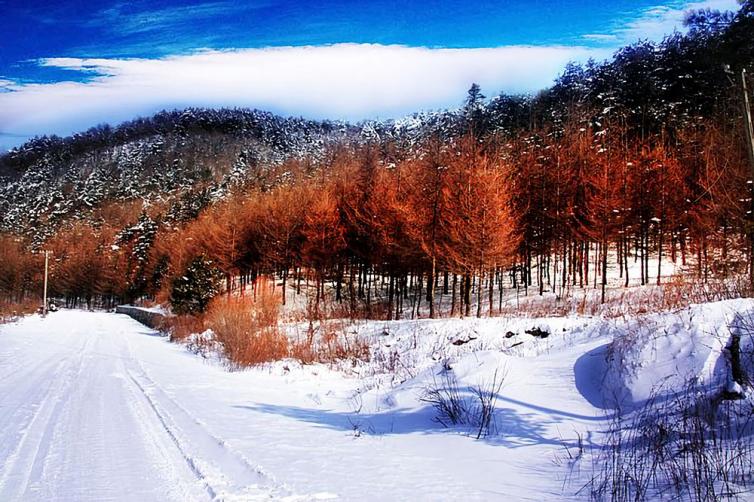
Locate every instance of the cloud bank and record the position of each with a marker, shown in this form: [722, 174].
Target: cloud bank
[342, 81]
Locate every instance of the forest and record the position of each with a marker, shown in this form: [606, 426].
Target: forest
[628, 165]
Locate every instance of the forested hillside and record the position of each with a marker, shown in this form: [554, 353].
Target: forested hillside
[639, 160]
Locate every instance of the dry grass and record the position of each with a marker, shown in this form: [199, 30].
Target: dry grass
[684, 290]
[247, 329]
[327, 339]
[677, 292]
[687, 446]
[456, 405]
[11, 311]
[333, 345]
[179, 328]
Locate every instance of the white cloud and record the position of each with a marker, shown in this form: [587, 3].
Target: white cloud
[656, 22]
[600, 37]
[6, 85]
[129, 18]
[351, 81]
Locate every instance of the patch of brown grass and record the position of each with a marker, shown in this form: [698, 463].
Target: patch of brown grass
[247, 328]
[11, 311]
[181, 327]
[682, 291]
[676, 292]
[333, 345]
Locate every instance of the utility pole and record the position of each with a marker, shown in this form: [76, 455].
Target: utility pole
[44, 304]
[750, 151]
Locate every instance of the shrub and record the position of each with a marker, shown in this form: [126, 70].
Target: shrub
[451, 406]
[333, 345]
[247, 329]
[474, 407]
[181, 327]
[486, 402]
[10, 311]
[691, 445]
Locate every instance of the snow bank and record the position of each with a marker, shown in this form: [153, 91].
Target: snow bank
[663, 352]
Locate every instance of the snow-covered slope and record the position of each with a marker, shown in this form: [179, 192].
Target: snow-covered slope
[665, 351]
[198, 151]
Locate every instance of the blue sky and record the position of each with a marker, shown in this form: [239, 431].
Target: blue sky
[68, 65]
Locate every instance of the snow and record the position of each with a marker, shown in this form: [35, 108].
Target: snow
[75, 426]
[95, 407]
[667, 350]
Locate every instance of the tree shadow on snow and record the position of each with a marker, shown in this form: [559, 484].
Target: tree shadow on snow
[511, 429]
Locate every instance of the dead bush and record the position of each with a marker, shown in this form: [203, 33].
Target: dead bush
[473, 406]
[450, 403]
[179, 328]
[247, 328]
[683, 290]
[11, 311]
[687, 446]
[333, 345]
[486, 401]
[338, 346]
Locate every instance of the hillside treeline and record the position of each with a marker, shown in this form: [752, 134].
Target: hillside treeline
[638, 160]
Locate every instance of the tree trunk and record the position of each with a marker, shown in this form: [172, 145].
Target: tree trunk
[352, 290]
[604, 264]
[480, 288]
[431, 289]
[659, 255]
[453, 296]
[493, 275]
[339, 284]
[390, 296]
[467, 294]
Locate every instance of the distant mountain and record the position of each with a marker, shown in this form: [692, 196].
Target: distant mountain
[49, 179]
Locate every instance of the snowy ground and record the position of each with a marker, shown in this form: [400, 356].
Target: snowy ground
[94, 406]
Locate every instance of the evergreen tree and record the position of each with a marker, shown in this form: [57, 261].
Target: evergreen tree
[192, 291]
[475, 111]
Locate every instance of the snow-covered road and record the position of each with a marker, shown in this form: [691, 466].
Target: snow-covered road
[82, 421]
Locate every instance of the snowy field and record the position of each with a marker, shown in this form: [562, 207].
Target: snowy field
[95, 406]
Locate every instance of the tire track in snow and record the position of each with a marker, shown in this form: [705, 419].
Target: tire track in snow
[233, 477]
[97, 444]
[171, 460]
[28, 456]
[17, 362]
[28, 380]
[20, 407]
[225, 474]
[80, 419]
